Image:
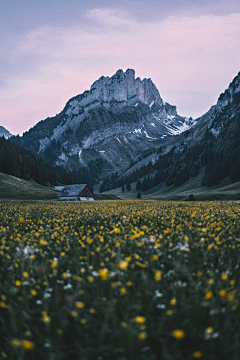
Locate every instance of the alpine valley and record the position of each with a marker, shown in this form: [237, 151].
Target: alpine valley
[122, 131]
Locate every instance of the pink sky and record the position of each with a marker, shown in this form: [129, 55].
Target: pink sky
[190, 55]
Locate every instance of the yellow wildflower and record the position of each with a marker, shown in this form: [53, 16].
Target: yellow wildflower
[197, 355]
[178, 334]
[222, 292]
[79, 304]
[45, 318]
[140, 319]
[54, 264]
[27, 345]
[158, 275]
[208, 295]
[173, 301]
[103, 273]
[142, 335]
[43, 242]
[141, 264]
[230, 296]
[123, 265]
[224, 276]
[209, 330]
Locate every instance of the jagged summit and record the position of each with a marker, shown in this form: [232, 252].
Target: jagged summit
[122, 89]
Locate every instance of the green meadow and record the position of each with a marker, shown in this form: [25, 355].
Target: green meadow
[121, 280]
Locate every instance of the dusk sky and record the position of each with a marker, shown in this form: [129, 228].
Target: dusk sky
[52, 50]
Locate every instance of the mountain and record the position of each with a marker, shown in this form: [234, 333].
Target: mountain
[120, 119]
[4, 132]
[211, 147]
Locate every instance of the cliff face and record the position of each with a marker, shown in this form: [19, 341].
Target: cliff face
[122, 89]
[118, 119]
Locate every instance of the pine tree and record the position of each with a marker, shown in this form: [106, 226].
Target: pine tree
[139, 185]
[128, 186]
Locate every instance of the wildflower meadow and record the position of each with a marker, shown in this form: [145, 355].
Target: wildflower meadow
[142, 280]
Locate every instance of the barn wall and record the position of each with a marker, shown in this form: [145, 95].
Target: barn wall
[86, 192]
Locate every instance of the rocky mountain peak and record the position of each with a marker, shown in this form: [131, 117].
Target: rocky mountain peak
[122, 89]
[119, 119]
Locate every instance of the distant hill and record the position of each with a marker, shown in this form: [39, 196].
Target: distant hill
[12, 187]
[4, 132]
[223, 191]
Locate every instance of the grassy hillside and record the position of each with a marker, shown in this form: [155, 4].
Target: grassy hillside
[12, 187]
[106, 196]
[224, 191]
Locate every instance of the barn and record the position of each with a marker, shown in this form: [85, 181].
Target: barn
[76, 192]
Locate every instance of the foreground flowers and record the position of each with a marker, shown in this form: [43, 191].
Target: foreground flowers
[119, 280]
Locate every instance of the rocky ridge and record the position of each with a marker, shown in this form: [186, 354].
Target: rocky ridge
[229, 99]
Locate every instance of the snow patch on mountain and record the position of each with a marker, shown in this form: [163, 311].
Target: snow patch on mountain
[147, 136]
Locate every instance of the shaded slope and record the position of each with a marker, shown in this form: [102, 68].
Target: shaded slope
[12, 187]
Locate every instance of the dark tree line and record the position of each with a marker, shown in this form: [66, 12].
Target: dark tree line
[20, 162]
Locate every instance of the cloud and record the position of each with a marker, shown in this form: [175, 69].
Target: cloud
[112, 17]
[190, 59]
